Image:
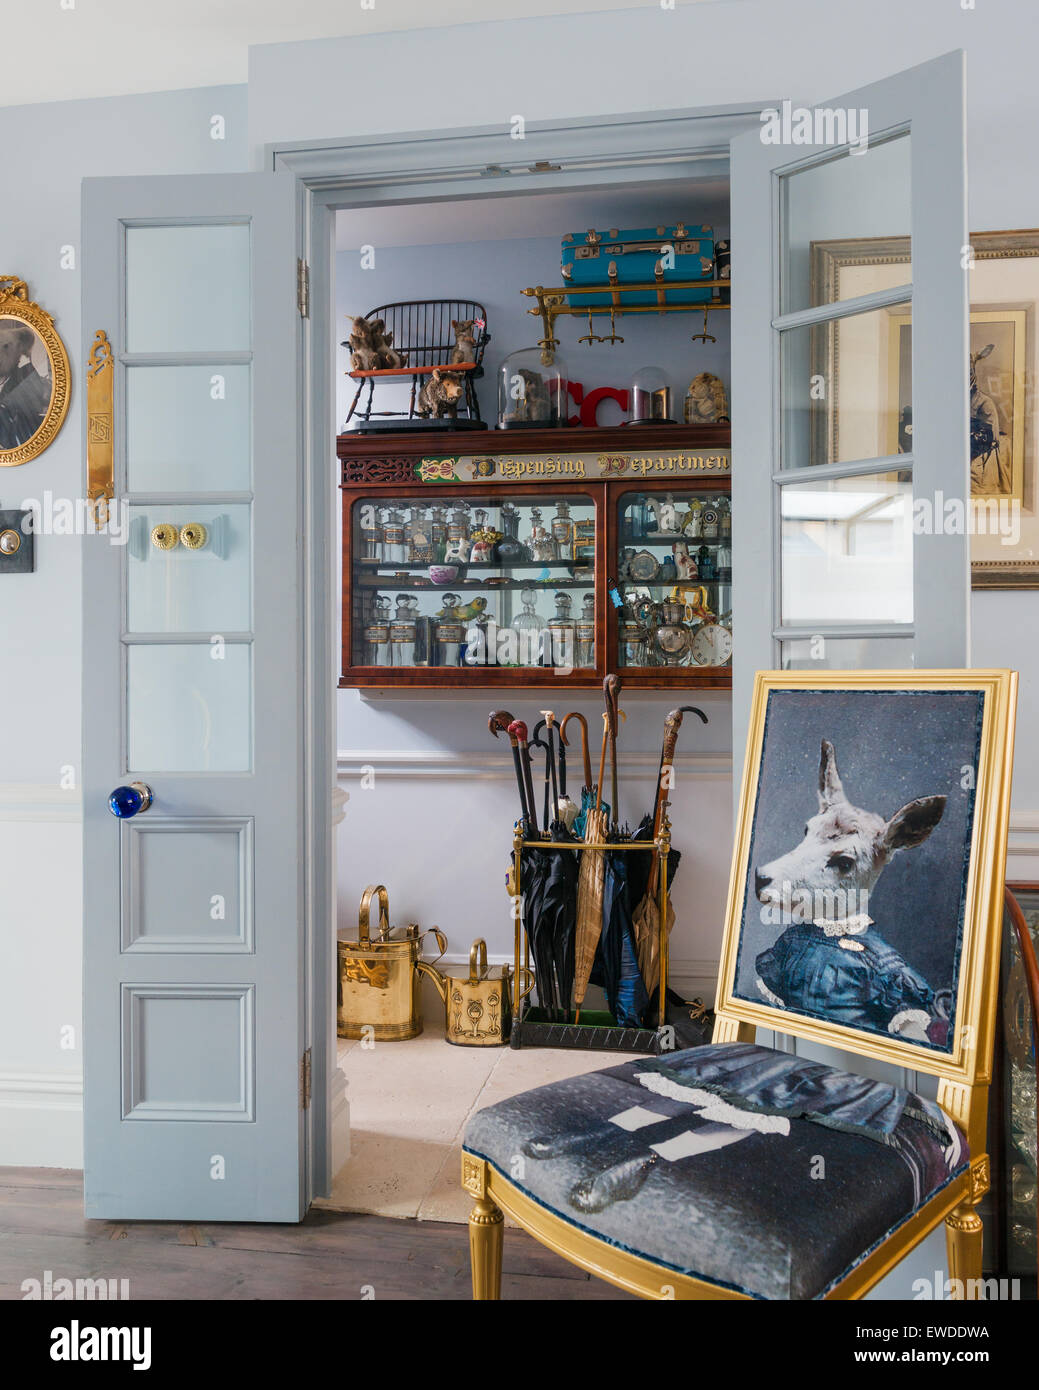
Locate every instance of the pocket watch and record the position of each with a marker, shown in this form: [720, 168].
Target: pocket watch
[643, 566]
[712, 642]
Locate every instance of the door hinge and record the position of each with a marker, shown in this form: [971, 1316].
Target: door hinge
[304, 1080]
[303, 288]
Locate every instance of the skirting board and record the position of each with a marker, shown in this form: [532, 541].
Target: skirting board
[41, 1120]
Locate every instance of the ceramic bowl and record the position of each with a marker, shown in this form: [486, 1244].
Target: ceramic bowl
[443, 574]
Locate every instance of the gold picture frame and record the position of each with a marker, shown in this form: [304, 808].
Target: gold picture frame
[967, 1058]
[1005, 283]
[34, 376]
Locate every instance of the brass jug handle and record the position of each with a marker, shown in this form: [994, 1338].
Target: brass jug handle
[530, 976]
[364, 913]
[441, 941]
[477, 953]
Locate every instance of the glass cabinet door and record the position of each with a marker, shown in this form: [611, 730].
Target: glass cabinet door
[473, 582]
[674, 579]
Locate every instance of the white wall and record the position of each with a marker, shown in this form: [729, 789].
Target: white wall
[48, 149]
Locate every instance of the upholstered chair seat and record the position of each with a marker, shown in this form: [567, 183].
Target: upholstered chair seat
[753, 1170]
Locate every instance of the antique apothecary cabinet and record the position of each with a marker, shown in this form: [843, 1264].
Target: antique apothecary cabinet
[538, 557]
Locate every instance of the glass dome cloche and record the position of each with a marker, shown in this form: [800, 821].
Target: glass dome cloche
[532, 390]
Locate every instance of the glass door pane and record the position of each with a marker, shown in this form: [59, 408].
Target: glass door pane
[188, 469]
[477, 581]
[674, 575]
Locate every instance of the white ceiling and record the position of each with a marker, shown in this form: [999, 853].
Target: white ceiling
[57, 50]
[531, 215]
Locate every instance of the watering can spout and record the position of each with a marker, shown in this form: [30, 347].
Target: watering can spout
[439, 980]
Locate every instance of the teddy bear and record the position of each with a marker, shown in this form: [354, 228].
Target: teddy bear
[440, 395]
[705, 402]
[464, 349]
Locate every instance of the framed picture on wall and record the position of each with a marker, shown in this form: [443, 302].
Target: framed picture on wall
[878, 400]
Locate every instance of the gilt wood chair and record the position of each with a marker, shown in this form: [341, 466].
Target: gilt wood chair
[741, 1171]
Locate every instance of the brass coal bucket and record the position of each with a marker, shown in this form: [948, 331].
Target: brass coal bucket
[379, 989]
[477, 1007]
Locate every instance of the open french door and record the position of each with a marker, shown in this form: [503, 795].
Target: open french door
[193, 945]
[850, 391]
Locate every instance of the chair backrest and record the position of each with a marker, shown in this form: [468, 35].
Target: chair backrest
[866, 896]
[422, 328]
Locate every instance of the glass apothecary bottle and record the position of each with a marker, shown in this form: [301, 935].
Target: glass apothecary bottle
[529, 626]
[586, 632]
[532, 390]
[562, 634]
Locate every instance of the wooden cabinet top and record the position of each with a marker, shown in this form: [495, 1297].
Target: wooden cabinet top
[617, 439]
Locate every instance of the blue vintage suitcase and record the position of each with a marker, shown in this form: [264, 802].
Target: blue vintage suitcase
[615, 258]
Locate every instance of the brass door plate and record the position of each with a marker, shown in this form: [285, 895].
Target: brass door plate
[17, 544]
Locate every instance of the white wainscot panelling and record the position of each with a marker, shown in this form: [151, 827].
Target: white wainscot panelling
[436, 828]
[41, 1088]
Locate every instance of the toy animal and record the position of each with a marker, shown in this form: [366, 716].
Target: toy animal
[464, 349]
[705, 402]
[364, 352]
[440, 395]
[529, 397]
[471, 611]
[457, 552]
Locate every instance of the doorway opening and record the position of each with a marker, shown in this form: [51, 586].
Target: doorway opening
[432, 801]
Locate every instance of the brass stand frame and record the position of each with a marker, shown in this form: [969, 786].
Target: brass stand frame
[552, 304]
[662, 846]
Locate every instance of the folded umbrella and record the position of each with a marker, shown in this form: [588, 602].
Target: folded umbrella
[646, 919]
[590, 884]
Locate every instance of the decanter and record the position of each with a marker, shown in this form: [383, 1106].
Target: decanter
[543, 548]
[530, 628]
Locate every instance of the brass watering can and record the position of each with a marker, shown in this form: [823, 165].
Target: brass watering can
[379, 990]
[477, 1007]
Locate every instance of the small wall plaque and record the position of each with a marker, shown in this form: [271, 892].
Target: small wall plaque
[17, 543]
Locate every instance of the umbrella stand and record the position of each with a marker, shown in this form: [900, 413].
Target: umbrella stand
[600, 1034]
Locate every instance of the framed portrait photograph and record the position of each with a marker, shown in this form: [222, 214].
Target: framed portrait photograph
[868, 362]
[34, 376]
[854, 906]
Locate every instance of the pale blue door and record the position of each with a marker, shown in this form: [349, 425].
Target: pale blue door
[850, 429]
[193, 942]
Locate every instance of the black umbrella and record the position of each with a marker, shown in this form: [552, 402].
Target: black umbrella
[561, 888]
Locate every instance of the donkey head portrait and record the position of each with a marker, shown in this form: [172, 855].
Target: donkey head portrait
[843, 853]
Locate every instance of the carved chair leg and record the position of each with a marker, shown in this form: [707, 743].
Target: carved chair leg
[963, 1241]
[486, 1237]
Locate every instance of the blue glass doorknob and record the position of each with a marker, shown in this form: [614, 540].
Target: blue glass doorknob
[129, 801]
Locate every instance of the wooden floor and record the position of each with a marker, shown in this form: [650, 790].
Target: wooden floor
[329, 1255]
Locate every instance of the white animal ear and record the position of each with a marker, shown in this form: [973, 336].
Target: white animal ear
[912, 825]
[830, 789]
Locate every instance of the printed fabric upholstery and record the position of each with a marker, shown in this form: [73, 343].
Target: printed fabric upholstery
[736, 1164]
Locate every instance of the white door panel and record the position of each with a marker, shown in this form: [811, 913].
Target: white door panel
[193, 953]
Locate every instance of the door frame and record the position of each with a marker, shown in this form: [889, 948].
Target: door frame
[408, 167]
